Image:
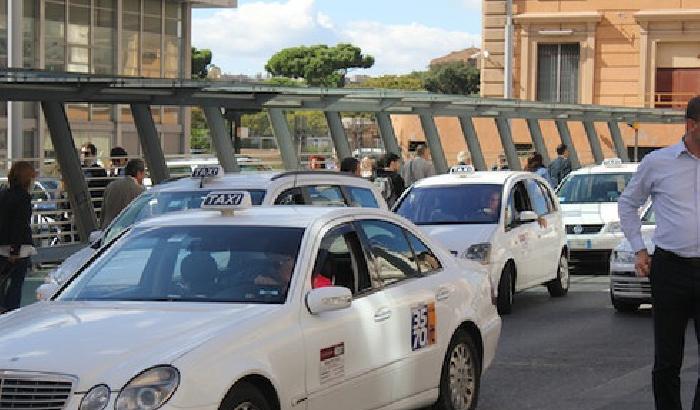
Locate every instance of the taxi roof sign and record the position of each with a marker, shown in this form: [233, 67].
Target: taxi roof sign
[612, 162]
[212, 171]
[227, 201]
[463, 170]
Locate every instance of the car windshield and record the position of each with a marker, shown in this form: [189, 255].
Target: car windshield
[455, 204]
[235, 264]
[593, 188]
[152, 204]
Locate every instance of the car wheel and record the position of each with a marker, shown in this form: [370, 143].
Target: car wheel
[559, 286]
[504, 300]
[624, 307]
[461, 375]
[244, 396]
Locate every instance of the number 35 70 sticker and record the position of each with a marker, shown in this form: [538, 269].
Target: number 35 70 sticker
[423, 322]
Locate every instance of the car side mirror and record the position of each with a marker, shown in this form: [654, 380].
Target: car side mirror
[527, 217]
[46, 291]
[95, 237]
[328, 299]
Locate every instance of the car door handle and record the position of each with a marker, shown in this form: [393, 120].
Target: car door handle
[443, 294]
[382, 314]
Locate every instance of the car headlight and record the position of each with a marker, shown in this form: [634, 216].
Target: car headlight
[623, 257]
[613, 227]
[479, 252]
[149, 390]
[96, 399]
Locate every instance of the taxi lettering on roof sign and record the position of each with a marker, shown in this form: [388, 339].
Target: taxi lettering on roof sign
[207, 172]
[462, 170]
[227, 200]
[612, 162]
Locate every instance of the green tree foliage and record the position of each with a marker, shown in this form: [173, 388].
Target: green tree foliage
[285, 82]
[200, 140]
[319, 65]
[409, 82]
[201, 59]
[453, 78]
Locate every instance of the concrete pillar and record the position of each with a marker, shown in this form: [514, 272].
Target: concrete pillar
[150, 143]
[340, 139]
[472, 141]
[533, 124]
[220, 139]
[565, 135]
[593, 140]
[620, 146]
[433, 138]
[503, 125]
[386, 131]
[285, 143]
[15, 114]
[72, 173]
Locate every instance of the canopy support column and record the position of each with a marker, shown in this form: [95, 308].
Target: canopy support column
[620, 147]
[592, 135]
[533, 124]
[150, 144]
[280, 128]
[511, 152]
[433, 138]
[386, 131]
[220, 139]
[340, 139]
[565, 135]
[472, 140]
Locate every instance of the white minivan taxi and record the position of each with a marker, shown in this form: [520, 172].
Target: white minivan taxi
[319, 188]
[258, 308]
[588, 198]
[508, 221]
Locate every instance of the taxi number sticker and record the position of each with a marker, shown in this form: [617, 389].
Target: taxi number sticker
[423, 325]
[224, 199]
[332, 365]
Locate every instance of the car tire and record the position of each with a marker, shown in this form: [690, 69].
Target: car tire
[504, 300]
[461, 372]
[559, 286]
[245, 396]
[624, 306]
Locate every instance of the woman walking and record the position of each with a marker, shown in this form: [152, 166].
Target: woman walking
[536, 164]
[16, 244]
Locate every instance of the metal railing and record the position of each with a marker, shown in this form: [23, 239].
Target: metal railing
[674, 100]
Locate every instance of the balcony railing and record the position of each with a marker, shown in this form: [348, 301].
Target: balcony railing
[673, 100]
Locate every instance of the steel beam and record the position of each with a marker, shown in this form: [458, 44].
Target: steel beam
[536, 134]
[150, 144]
[340, 139]
[386, 131]
[472, 140]
[511, 152]
[71, 171]
[433, 138]
[565, 135]
[285, 143]
[620, 146]
[220, 138]
[592, 135]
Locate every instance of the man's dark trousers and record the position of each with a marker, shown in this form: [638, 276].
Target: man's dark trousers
[11, 281]
[675, 287]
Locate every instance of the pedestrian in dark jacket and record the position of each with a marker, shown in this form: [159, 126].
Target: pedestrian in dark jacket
[561, 166]
[95, 175]
[16, 245]
[388, 180]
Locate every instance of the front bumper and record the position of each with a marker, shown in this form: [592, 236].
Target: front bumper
[626, 285]
[594, 242]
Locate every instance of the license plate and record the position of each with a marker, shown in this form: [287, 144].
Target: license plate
[580, 244]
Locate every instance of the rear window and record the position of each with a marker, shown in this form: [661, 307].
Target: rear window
[593, 188]
[457, 204]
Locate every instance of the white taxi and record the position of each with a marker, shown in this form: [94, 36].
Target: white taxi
[588, 198]
[319, 188]
[627, 290]
[258, 308]
[508, 221]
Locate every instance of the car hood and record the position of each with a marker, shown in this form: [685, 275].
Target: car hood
[590, 214]
[110, 342]
[457, 238]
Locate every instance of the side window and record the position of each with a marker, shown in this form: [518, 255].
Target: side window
[291, 196]
[426, 259]
[537, 198]
[391, 251]
[325, 195]
[518, 201]
[361, 197]
[341, 262]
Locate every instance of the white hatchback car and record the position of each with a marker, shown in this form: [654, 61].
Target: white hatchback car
[588, 198]
[320, 188]
[263, 308]
[509, 221]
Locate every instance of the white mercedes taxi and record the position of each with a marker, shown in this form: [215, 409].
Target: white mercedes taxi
[239, 307]
[508, 221]
[627, 290]
[320, 188]
[588, 198]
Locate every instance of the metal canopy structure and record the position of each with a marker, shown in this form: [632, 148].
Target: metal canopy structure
[54, 90]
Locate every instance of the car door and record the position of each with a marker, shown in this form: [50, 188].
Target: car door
[346, 351]
[414, 352]
[545, 239]
[520, 236]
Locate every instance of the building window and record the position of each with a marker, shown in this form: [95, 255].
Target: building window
[558, 72]
[3, 34]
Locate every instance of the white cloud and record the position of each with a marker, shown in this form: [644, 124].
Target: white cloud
[243, 39]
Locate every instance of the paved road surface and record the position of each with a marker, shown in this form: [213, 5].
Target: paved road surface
[576, 353]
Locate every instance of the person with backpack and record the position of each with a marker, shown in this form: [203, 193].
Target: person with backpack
[388, 180]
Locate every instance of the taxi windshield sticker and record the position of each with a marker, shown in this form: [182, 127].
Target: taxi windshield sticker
[332, 365]
[423, 322]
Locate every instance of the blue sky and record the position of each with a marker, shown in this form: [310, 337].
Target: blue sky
[402, 35]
